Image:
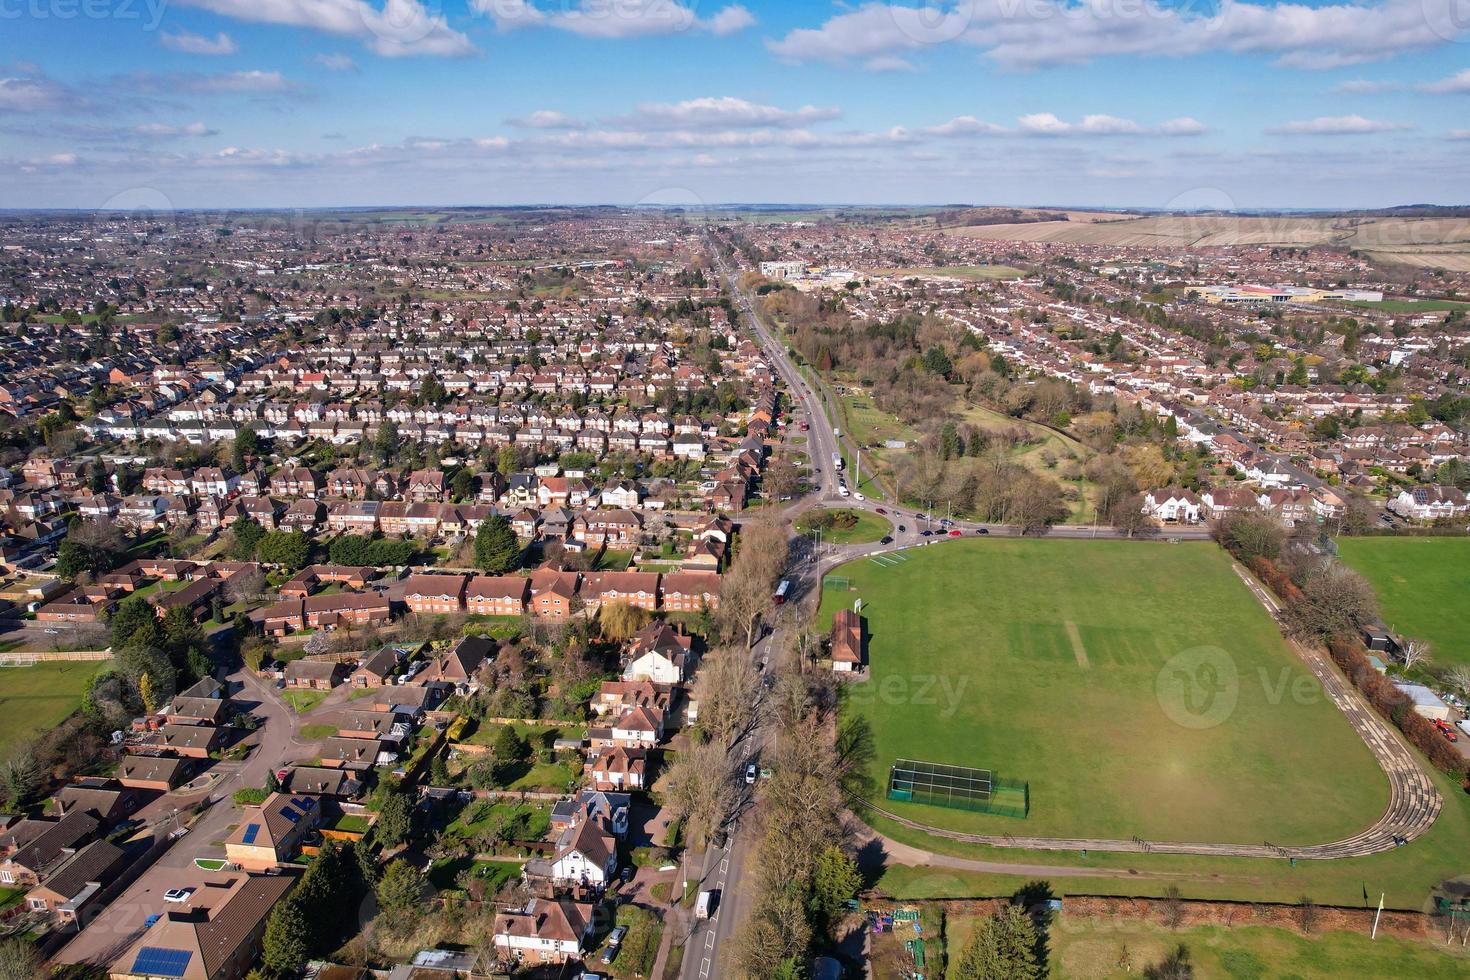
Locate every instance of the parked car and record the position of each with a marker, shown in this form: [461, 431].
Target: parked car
[879, 510]
[750, 774]
[902, 529]
[886, 539]
[177, 894]
[982, 530]
[858, 497]
[955, 532]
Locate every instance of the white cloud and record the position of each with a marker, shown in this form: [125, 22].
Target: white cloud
[397, 28]
[965, 126]
[1456, 84]
[167, 131]
[615, 18]
[336, 61]
[1362, 86]
[186, 43]
[724, 112]
[1040, 33]
[1458, 134]
[25, 88]
[1048, 124]
[1338, 126]
[253, 82]
[547, 119]
[1183, 126]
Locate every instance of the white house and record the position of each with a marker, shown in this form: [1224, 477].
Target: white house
[1172, 506]
[1430, 503]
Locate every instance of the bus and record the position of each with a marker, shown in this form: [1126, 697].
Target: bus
[782, 591]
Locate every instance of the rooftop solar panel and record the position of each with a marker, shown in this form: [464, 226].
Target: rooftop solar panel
[251, 830]
[159, 961]
[290, 814]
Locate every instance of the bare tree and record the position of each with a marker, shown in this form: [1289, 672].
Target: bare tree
[247, 585]
[701, 789]
[1460, 677]
[1416, 654]
[728, 687]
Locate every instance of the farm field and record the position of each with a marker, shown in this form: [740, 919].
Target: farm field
[35, 699]
[1087, 669]
[1431, 242]
[1422, 584]
[1093, 949]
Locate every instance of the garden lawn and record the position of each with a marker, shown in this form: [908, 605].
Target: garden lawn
[36, 699]
[869, 527]
[302, 701]
[1423, 588]
[1071, 664]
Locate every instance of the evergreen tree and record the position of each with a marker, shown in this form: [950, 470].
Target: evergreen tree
[496, 549]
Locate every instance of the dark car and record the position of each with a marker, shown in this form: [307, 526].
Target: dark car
[886, 539]
[982, 530]
[901, 529]
[926, 534]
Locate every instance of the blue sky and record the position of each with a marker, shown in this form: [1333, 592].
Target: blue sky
[1120, 103]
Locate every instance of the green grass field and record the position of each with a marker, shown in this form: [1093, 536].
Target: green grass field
[869, 527]
[1091, 949]
[36, 699]
[1083, 667]
[1422, 586]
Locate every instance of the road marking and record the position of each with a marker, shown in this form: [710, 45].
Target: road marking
[724, 865]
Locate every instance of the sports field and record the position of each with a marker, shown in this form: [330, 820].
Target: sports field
[1423, 588]
[1137, 687]
[35, 699]
[1115, 948]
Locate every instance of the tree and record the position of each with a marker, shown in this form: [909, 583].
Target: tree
[289, 549]
[701, 789]
[1175, 966]
[247, 585]
[287, 942]
[247, 443]
[1003, 947]
[19, 959]
[620, 620]
[134, 615]
[1249, 534]
[385, 442]
[835, 882]
[728, 688]
[1335, 601]
[247, 536]
[394, 820]
[146, 692]
[351, 549]
[1460, 676]
[1416, 653]
[936, 361]
[401, 888]
[496, 549]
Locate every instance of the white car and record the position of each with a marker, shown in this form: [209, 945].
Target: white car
[843, 491]
[177, 894]
[859, 497]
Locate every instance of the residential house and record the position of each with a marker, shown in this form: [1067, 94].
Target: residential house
[269, 835]
[216, 936]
